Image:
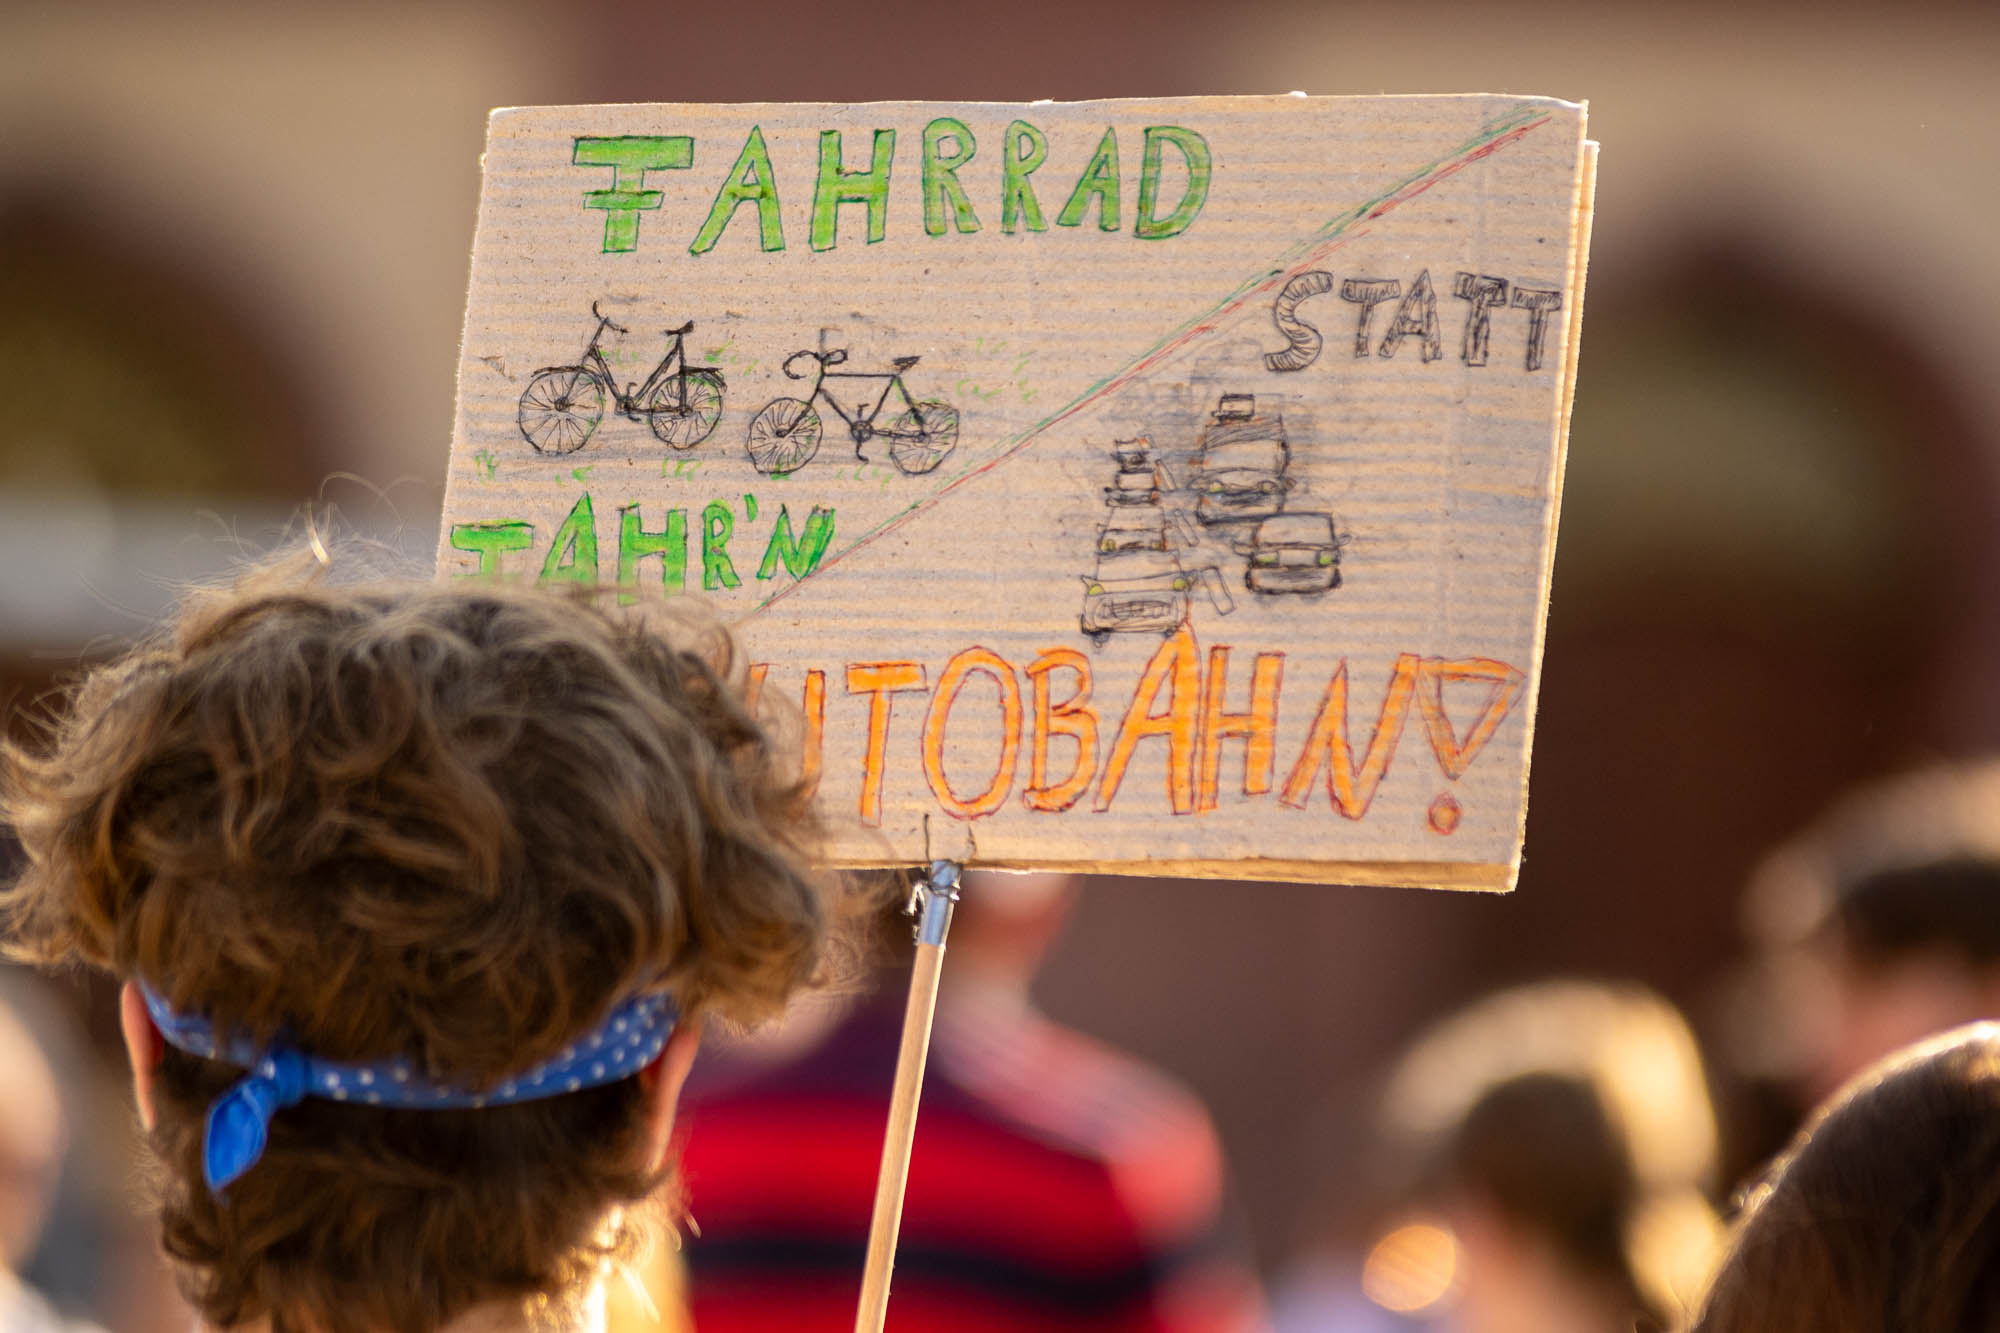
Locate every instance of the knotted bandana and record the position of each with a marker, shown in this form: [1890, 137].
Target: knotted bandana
[630, 1038]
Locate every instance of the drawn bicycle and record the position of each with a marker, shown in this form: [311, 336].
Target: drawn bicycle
[562, 405]
[786, 433]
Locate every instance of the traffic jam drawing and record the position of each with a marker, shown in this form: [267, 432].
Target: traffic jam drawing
[1156, 552]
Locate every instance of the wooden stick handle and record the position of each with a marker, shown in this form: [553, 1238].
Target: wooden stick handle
[896, 1141]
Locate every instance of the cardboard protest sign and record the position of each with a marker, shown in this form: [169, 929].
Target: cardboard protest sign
[1165, 486]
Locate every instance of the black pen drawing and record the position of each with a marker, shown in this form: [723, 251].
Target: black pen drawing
[1240, 463]
[1151, 558]
[1139, 584]
[785, 433]
[562, 405]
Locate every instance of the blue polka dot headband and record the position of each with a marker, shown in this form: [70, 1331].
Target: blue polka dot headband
[630, 1038]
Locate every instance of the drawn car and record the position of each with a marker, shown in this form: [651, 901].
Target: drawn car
[1133, 529]
[1133, 591]
[1294, 553]
[1133, 488]
[1240, 463]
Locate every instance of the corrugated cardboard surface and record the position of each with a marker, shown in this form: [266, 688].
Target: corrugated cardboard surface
[934, 602]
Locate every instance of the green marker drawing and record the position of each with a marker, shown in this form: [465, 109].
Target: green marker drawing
[630, 157]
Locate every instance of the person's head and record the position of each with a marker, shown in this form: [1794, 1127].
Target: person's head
[452, 828]
[1883, 922]
[1884, 1216]
[1560, 1135]
[1006, 921]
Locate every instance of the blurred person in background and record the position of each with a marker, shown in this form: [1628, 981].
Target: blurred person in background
[94, 1259]
[1054, 1184]
[1884, 1215]
[1536, 1164]
[1877, 926]
[33, 1136]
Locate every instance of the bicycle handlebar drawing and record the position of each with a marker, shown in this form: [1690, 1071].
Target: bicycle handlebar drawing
[562, 405]
[785, 434]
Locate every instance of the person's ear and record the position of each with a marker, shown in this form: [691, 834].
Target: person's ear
[144, 1046]
[661, 1082]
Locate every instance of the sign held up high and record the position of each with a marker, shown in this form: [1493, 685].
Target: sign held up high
[1161, 486]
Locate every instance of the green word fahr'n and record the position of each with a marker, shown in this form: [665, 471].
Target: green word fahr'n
[571, 555]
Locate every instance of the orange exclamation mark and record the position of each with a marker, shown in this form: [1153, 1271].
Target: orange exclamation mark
[1454, 756]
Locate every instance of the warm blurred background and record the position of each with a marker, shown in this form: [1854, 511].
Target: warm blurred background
[233, 255]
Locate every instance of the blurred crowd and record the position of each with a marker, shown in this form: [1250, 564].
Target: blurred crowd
[1547, 1159]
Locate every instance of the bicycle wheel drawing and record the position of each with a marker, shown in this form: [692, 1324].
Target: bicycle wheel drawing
[560, 408]
[783, 436]
[920, 438]
[686, 422]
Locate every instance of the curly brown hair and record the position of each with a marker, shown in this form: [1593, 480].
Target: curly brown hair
[452, 823]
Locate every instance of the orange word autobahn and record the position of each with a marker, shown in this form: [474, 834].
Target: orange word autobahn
[1179, 701]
